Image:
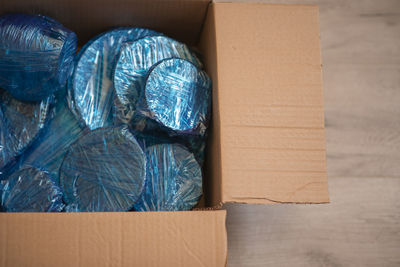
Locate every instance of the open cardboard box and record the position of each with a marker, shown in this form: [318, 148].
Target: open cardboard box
[267, 143]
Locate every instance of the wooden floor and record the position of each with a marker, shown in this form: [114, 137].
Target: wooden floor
[361, 227]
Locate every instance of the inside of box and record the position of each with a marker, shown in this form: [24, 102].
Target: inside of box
[191, 22]
[182, 19]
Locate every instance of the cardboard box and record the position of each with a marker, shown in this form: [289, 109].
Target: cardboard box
[267, 143]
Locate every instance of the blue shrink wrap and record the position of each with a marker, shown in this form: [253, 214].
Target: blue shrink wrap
[173, 179]
[48, 150]
[20, 124]
[36, 55]
[5, 153]
[177, 95]
[196, 144]
[134, 62]
[103, 170]
[30, 190]
[91, 88]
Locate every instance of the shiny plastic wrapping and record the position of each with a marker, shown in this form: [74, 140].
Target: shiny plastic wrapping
[103, 171]
[196, 144]
[134, 62]
[173, 179]
[129, 133]
[5, 153]
[20, 125]
[48, 151]
[177, 95]
[91, 87]
[36, 55]
[30, 190]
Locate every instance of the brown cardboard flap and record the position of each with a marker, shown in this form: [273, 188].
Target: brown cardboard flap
[192, 238]
[181, 19]
[271, 116]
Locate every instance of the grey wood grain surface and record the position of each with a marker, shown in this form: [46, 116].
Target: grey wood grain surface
[361, 226]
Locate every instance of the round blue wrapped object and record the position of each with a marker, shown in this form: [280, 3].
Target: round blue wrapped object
[20, 124]
[36, 55]
[91, 87]
[133, 64]
[30, 190]
[173, 179]
[177, 95]
[103, 170]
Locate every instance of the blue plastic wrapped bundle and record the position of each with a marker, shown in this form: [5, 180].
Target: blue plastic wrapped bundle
[30, 190]
[48, 151]
[177, 95]
[103, 171]
[20, 124]
[173, 179]
[134, 62]
[92, 90]
[36, 55]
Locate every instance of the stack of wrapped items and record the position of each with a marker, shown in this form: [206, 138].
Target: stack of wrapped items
[121, 126]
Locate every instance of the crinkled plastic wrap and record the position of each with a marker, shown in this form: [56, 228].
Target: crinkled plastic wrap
[5, 153]
[21, 123]
[30, 190]
[36, 55]
[196, 144]
[177, 95]
[103, 171]
[92, 90]
[173, 179]
[48, 151]
[134, 62]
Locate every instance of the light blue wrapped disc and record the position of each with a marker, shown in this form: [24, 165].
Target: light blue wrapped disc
[48, 150]
[177, 95]
[92, 90]
[36, 55]
[173, 179]
[20, 124]
[134, 62]
[30, 190]
[103, 171]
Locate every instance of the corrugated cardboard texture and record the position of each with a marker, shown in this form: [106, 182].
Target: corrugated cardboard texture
[271, 117]
[212, 177]
[193, 238]
[181, 19]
